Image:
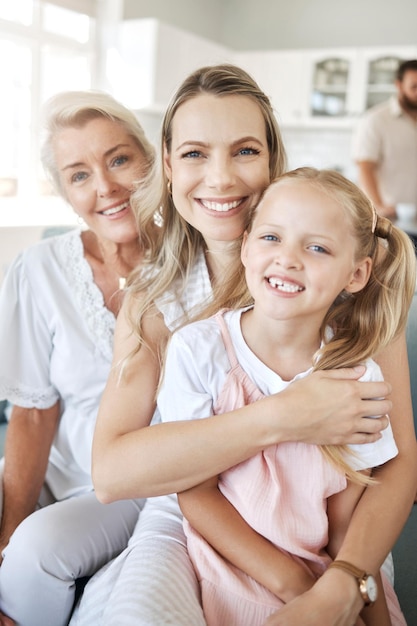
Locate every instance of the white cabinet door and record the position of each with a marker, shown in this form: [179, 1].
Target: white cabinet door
[377, 73]
[331, 76]
[282, 76]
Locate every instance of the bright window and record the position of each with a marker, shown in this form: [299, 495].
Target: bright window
[45, 47]
[20, 11]
[67, 23]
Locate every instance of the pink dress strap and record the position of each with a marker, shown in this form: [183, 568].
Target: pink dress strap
[238, 389]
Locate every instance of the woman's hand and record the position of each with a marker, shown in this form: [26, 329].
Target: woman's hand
[332, 601]
[335, 410]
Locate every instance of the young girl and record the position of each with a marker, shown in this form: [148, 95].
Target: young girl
[326, 293]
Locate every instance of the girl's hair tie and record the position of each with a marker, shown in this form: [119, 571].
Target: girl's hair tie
[374, 219]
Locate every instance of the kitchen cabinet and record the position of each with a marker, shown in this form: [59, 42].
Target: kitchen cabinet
[332, 78]
[282, 75]
[343, 82]
[325, 87]
[308, 88]
[379, 66]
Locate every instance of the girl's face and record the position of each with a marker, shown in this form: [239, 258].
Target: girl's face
[218, 164]
[98, 164]
[300, 253]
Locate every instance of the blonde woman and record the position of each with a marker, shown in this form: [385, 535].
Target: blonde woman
[220, 149]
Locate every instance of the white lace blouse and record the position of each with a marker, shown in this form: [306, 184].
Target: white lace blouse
[56, 342]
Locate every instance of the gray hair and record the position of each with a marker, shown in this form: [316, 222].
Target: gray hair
[74, 109]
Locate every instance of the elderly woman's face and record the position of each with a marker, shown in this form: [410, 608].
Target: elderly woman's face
[98, 165]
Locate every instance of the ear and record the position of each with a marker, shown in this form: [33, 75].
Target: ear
[243, 250]
[167, 163]
[360, 276]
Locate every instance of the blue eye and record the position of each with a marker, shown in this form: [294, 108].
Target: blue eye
[270, 238]
[78, 177]
[193, 154]
[249, 151]
[120, 160]
[317, 248]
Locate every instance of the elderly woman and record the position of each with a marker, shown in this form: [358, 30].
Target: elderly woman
[58, 306]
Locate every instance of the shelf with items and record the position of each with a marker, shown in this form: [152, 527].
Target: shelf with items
[381, 79]
[330, 85]
[378, 68]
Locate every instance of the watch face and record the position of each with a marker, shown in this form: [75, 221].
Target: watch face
[371, 588]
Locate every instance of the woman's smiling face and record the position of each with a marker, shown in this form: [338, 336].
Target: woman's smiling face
[218, 163]
[98, 165]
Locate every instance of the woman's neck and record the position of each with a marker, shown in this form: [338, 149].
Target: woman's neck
[111, 263]
[219, 254]
[116, 258]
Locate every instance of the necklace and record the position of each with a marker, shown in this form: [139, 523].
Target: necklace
[122, 282]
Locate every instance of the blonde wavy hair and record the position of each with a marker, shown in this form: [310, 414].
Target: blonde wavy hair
[365, 322]
[174, 249]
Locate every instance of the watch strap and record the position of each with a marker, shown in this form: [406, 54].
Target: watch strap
[348, 567]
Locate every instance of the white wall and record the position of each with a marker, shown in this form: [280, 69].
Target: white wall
[203, 17]
[272, 24]
[320, 147]
[15, 239]
[277, 24]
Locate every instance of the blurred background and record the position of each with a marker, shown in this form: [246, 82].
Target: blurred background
[322, 63]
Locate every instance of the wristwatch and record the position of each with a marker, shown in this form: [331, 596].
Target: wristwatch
[366, 582]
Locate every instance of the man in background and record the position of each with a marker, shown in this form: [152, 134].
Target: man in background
[385, 146]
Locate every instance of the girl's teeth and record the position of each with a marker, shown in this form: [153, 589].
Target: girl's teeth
[283, 286]
[219, 206]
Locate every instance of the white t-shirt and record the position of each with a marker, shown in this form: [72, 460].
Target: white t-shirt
[56, 342]
[177, 304]
[196, 368]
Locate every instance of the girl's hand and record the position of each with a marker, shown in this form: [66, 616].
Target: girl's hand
[331, 602]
